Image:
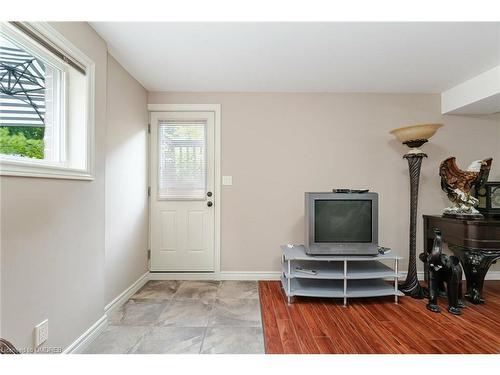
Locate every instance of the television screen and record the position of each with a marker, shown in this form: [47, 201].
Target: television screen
[342, 220]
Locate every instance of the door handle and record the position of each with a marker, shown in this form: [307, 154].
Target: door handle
[209, 194]
[209, 204]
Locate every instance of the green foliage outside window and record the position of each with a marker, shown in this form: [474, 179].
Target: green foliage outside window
[22, 141]
[30, 132]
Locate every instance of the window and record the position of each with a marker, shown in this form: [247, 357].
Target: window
[46, 104]
[30, 98]
[182, 160]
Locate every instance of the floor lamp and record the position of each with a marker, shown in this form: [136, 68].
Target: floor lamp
[414, 136]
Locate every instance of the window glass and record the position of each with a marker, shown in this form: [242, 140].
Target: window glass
[182, 160]
[29, 104]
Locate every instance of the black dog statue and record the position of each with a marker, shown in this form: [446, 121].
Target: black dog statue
[443, 269]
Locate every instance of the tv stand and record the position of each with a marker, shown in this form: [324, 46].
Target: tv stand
[338, 276]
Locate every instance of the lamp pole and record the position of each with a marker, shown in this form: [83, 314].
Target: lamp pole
[414, 136]
[411, 286]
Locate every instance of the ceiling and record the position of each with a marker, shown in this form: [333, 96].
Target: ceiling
[303, 57]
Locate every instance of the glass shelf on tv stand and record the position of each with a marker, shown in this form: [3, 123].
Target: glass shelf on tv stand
[338, 276]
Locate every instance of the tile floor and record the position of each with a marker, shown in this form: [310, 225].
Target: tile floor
[186, 317]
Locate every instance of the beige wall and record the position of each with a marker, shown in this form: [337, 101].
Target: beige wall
[68, 248]
[52, 235]
[126, 200]
[278, 146]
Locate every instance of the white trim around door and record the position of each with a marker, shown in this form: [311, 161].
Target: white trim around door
[216, 109]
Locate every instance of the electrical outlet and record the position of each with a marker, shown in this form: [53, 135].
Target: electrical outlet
[41, 332]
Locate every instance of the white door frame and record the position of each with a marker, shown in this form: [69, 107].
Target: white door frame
[216, 109]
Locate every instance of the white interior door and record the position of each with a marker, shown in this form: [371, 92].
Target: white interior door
[182, 191]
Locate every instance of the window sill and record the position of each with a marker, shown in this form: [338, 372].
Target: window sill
[37, 169]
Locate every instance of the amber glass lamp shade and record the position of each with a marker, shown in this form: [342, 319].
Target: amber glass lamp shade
[415, 136]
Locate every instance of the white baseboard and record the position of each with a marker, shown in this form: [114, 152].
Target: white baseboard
[82, 342]
[493, 275]
[250, 275]
[183, 276]
[126, 294]
[223, 275]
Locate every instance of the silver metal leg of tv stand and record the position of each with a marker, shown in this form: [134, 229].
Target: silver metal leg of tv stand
[396, 281]
[345, 283]
[289, 283]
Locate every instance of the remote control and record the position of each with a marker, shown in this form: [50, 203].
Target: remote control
[383, 250]
[343, 191]
[309, 272]
[346, 191]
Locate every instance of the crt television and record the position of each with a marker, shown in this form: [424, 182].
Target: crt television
[341, 223]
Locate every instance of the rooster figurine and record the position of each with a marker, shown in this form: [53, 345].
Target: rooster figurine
[457, 184]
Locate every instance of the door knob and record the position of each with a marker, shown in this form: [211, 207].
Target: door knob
[209, 204]
[209, 194]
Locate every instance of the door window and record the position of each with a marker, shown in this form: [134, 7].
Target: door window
[182, 160]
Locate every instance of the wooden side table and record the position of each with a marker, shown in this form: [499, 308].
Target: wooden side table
[475, 242]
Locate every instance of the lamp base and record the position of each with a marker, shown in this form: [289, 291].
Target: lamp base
[416, 291]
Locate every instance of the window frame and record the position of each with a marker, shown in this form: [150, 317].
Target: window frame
[26, 167]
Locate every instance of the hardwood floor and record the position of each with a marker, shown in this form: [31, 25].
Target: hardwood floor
[311, 325]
